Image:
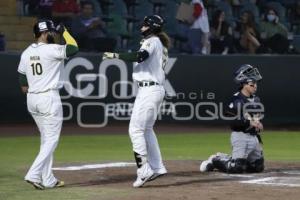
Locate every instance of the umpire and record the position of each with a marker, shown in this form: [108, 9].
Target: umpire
[244, 113]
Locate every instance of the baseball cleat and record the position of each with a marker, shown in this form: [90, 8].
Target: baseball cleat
[36, 185]
[59, 184]
[143, 175]
[156, 175]
[206, 166]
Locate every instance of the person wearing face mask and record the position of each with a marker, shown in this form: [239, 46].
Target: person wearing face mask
[274, 33]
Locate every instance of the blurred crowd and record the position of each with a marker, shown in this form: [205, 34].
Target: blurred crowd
[218, 26]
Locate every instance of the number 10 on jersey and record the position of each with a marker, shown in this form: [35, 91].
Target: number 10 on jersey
[36, 69]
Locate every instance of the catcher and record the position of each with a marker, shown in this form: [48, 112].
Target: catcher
[244, 111]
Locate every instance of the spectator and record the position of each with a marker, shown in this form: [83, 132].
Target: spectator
[274, 33]
[90, 31]
[199, 30]
[248, 40]
[64, 11]
[295, 18]
[221, 34]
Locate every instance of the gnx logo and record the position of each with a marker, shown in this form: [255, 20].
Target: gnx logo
[85, 82]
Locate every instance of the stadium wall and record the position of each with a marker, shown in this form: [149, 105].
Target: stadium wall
[96, 92]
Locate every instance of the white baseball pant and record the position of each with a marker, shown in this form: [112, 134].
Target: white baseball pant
[46, 110]
[142, 135]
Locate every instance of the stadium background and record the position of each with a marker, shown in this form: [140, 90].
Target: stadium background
[183, 142]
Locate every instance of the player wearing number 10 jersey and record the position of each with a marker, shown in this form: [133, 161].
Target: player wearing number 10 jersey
[40, 74]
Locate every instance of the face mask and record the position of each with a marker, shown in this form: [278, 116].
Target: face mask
[271, 17]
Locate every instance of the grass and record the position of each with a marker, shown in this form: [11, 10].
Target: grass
[17, 154]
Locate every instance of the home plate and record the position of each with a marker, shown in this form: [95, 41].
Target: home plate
[276, 181]
[94, 166]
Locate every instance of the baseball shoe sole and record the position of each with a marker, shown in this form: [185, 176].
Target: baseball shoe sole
[36, 185]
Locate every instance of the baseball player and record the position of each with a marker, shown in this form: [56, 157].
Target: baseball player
[148, 73]
[40, 75]
[245, 111]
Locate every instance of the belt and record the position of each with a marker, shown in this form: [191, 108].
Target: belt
[45, 91]
[147, 83]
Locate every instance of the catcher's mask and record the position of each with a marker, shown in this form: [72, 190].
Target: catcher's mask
[45, 26]
[155, 24]
[247, 73]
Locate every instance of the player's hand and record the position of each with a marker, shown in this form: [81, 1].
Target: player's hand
[257, 125]
[60, 28]
[109, 55]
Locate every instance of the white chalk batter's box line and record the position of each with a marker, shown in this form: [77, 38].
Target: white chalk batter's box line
[95, 166]
[271, 179]
[276, 181]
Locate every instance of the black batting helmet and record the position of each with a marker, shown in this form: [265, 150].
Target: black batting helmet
[43, 26]
[247, 73]
[155, 24]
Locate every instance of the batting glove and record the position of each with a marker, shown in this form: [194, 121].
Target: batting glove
[60, 28]
[110, 55]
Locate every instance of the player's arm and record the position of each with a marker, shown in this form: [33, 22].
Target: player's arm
[71, 44]
[23, 83]
[138, 56]
[235, 113]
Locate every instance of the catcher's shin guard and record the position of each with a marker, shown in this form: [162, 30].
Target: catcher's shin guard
[230, 166]
[256, 166]
[236, 166]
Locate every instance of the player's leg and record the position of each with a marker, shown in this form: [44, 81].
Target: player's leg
[238, 162]
[34, 174]
[137, 135]
[207, 165]
[49, 138]
[154, 154]
[52, 133]
[255, 160]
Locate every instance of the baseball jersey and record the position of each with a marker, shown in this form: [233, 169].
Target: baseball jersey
[152, 69]
[43, 66]
[237, 106]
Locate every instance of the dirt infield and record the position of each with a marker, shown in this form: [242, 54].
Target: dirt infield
[185, 182]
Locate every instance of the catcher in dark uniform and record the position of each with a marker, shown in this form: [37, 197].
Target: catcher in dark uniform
[244, 113]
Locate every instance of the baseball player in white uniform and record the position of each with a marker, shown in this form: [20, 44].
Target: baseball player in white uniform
[148, 73]
[40, 75]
